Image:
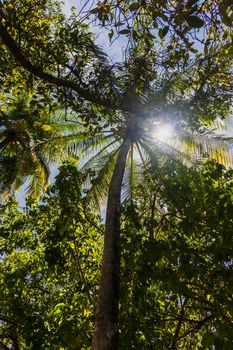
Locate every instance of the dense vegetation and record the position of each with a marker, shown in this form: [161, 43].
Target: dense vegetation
[176, 266]
[158, 273]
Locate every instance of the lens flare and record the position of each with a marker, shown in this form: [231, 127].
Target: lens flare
[163, 133]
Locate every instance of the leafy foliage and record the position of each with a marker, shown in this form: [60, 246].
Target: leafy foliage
[49, 269]
[178, 25]
[176, 283]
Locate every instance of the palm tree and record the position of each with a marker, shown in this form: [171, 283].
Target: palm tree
[122, 148]
[31, 138]
[133, 137]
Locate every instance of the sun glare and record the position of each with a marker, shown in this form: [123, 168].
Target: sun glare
[163, 133]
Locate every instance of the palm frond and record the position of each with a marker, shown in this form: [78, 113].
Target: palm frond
[36, 184]
[100, 54]
[8, 175]
[65, 146]
[39, 181]
[91, 162]
[156, 150]
[206, 143]
[93, 144]
[219, 124]
[59, 126]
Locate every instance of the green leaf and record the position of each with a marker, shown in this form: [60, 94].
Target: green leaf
[134, 6]
[135, 35]
[118, 24]
[124, 31]
[110, 35]
[227, 21]
[95, 10]
[223, 9]
[194, 21]
[163, 32]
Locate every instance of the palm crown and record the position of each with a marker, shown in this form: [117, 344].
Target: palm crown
[187, 100]
[31, 139]
[161, 100]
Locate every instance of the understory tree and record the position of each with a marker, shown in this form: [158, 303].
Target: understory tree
[50, 258]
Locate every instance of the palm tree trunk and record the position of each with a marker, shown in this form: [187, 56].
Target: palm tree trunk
[106, 316]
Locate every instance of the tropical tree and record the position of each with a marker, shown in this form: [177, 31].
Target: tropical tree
[129, 94]
[32, 137]
[176, 285]
[49, 268]
[134, 135]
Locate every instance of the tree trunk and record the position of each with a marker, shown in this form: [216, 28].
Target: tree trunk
[106, 316]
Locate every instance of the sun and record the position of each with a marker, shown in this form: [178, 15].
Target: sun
[163, 133]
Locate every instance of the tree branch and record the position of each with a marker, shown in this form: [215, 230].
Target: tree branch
[178, 327]
[15, 50]
[198, 326]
